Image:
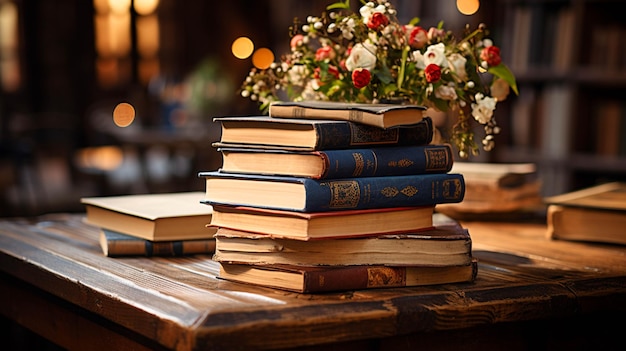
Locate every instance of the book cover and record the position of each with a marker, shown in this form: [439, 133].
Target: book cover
[305, 279]
[441, 245]
[155, 217]
[346, 163]
[313, 195]
[306, 134]
[594, 214]
[115, 244]
[377, 115]
[331, 224]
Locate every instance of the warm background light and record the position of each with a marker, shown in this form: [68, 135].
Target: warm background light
[262, 58]
[123, 114]
[467, 7]
[145, 7]
[242, 47]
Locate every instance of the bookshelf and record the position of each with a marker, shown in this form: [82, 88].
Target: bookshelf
[570, 63]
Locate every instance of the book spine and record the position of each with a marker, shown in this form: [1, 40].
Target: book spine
[352, 135]
[353, 278]
[387, 161]
[383, 192]
[350, 115]
[127, 247]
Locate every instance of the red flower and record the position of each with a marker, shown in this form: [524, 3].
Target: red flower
[361, 77]
[377, 20]
[433, 73]
[491, 54]
[418, 37]
[325, 52]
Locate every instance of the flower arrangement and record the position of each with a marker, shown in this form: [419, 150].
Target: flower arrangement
[370, 57]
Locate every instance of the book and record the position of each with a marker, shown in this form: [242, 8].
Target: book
[439, 246]
[496, 188]
[333, 224]
[377, 115]
[306, 134]
[155, 217]
[314, 195]
[304, 279]
[594, 214]
[496, 175]
[345, 163]
[115, 244]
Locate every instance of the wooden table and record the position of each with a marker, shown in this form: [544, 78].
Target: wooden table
[530, 293]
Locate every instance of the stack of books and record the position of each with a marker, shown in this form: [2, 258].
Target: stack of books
[168, 224]
[336, 197]
[497, 191]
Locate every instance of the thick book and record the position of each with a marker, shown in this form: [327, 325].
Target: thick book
[594, 214]
[346, 163]
[377, 115]
[443, 245]
[155, 217]
[303, 279]
[306, 134]
[333, 224]
[115, 244]
[315, 195]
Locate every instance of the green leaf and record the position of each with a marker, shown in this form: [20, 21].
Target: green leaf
[503, 72]
[339, 5]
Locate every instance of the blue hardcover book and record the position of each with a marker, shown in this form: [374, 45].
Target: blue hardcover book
[311, 134]
[346, 163]
[313, 195]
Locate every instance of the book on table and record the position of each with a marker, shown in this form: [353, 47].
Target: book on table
[342, 163]
[318, 279]
[442, 245]
[155, 217]
[306, 134]
[328, 224]
[594, 214]
[313, 195]
[378, 115]
[115, 244]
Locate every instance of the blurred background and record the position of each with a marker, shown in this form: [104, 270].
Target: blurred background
[168, 67]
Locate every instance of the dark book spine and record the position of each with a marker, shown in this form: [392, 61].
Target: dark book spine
[383, 192]
[387, 161]
[352, 135]
[352, 278]
[139, 247]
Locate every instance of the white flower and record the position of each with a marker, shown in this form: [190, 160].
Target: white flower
[368, 10]
[445, 92]
[435, 54]
[457, 65]
[482, 110]
[363, 55]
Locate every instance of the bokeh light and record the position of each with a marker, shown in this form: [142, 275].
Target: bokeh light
[123, 114]
[467, 7]
[262, 58]
[242, 47]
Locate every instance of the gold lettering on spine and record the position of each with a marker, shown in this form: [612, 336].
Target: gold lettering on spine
[344, 194]
[437, 160]
[452, 189]
[366, 135]
[408, 191]
[359, 164]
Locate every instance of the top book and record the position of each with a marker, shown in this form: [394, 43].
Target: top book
[377, 115]
[154, 217]
[316, 134]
